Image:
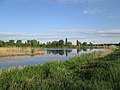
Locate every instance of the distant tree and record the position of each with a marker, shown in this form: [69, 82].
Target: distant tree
[61, 43]
[48, 44]
[38, 43]
[34, 43]
[28, 42]
[6, 44]
[78, 43]
[25, 44]
[91, 44]
[43, 45]
[1, 43]
[19, 43]
[54, 43]
[84, 44]
[69, 44]
[66, 41]
[11, 42]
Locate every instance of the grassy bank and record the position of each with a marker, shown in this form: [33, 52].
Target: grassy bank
[15, 51]
[96, 71]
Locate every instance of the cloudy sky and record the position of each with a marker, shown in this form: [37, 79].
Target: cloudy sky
[95, 21]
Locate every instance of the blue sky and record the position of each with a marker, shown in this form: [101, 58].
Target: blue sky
[47, 20]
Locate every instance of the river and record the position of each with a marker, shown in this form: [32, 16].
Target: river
[51, 54]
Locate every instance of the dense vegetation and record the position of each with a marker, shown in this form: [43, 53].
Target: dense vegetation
[54, 44]
[34, 43]
[86, 72]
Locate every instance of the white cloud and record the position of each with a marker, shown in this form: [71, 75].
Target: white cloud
[114, 31]
[23, 34]
[97, 11]
[92, 32]
[103, 8]
[88, 35]
[93, 11]
[89, 12]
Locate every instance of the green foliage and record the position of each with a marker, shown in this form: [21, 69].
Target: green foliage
[11, 42]
[78, 43]
[69, 44]
[19, 43]
[61, 43]
[66, 41]
[34, 43]
[84, 44]
[28, 43]
[1, 43]
[83, 72]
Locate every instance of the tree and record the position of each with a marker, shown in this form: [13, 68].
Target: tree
[54, 43]
[48, 44]
[19, 43]
[34, 43]
[78, 43]
[61, 43]
[11, 42]
[38, 43]
[66, 42]
[69, 44]
[1, 43]
[91, 44]
[28, 43]
[84, 44]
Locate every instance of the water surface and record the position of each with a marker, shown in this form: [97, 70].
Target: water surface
[61, 54]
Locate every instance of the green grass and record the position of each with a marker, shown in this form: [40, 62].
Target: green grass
[86, 72]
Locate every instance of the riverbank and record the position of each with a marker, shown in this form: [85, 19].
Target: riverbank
[19, 51]
[96, 71]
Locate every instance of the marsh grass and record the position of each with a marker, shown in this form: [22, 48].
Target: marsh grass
[95, 71]
[15, 51]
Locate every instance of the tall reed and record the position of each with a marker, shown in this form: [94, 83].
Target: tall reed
[14, 51]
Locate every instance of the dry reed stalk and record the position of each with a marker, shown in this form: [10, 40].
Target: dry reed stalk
[15, 51]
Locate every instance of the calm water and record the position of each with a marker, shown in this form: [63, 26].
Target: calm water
[50, 54]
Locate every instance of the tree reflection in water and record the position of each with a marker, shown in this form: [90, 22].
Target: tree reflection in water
[66, 51]
[60, 52]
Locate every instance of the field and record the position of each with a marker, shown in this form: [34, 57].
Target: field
[96, 71]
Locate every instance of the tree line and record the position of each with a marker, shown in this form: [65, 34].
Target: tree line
[19, 43]
[35, 43]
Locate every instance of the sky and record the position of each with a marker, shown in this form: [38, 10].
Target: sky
[96, 21]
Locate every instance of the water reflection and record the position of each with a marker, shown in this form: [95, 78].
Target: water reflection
[67, 51]
[50, 54]
[85, 49]
[60, 52]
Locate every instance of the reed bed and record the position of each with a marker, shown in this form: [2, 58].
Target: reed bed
[15, 51]
[78, 73]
